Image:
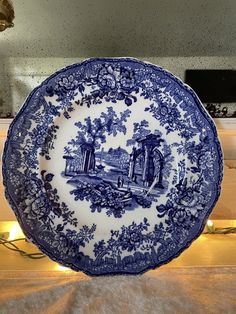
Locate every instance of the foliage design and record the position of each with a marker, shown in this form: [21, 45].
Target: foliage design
[43, 209]
[114, 179]
[137, 238]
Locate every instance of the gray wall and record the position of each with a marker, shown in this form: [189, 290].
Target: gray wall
[75, 28]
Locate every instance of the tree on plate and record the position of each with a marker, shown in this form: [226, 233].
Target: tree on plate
[140, 130]
[92, 133]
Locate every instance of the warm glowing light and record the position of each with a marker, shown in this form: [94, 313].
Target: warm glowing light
[210, 223]
[210, 226]
[15, 231]
[62, 268]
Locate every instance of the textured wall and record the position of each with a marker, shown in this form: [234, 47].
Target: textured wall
[59, 28]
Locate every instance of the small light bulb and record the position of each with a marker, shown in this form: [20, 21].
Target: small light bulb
[210, 223]
[210, 226]
[62, 268]
[15, 232]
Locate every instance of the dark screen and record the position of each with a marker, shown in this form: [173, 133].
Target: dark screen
[213, 86]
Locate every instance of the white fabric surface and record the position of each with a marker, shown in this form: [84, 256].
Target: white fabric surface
[192, 290]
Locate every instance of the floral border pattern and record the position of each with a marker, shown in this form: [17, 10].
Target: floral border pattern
[186, 207]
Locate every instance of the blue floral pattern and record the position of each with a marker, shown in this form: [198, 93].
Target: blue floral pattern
[145, 149]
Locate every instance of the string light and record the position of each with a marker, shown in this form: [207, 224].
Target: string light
[15, 232]
[210, 226]
[62, 268]
[12, 233]
[212, 229]
[210, 223]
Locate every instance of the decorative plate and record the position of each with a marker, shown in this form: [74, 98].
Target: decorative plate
[112, 166]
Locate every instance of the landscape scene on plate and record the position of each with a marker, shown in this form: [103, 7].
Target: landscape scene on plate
[117, 178]
[111, 177]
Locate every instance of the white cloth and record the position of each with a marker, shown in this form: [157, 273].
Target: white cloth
[189, 290]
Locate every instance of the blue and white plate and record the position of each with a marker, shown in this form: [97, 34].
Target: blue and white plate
[112, 166]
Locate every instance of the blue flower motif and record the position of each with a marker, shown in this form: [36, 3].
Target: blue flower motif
[39, 206]
[68, 83]
[39, 134]
[206, 161]
[61, 244]
[127, 79]
[107, 77]
[168, 115]
[180, 217]
[131, 239]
